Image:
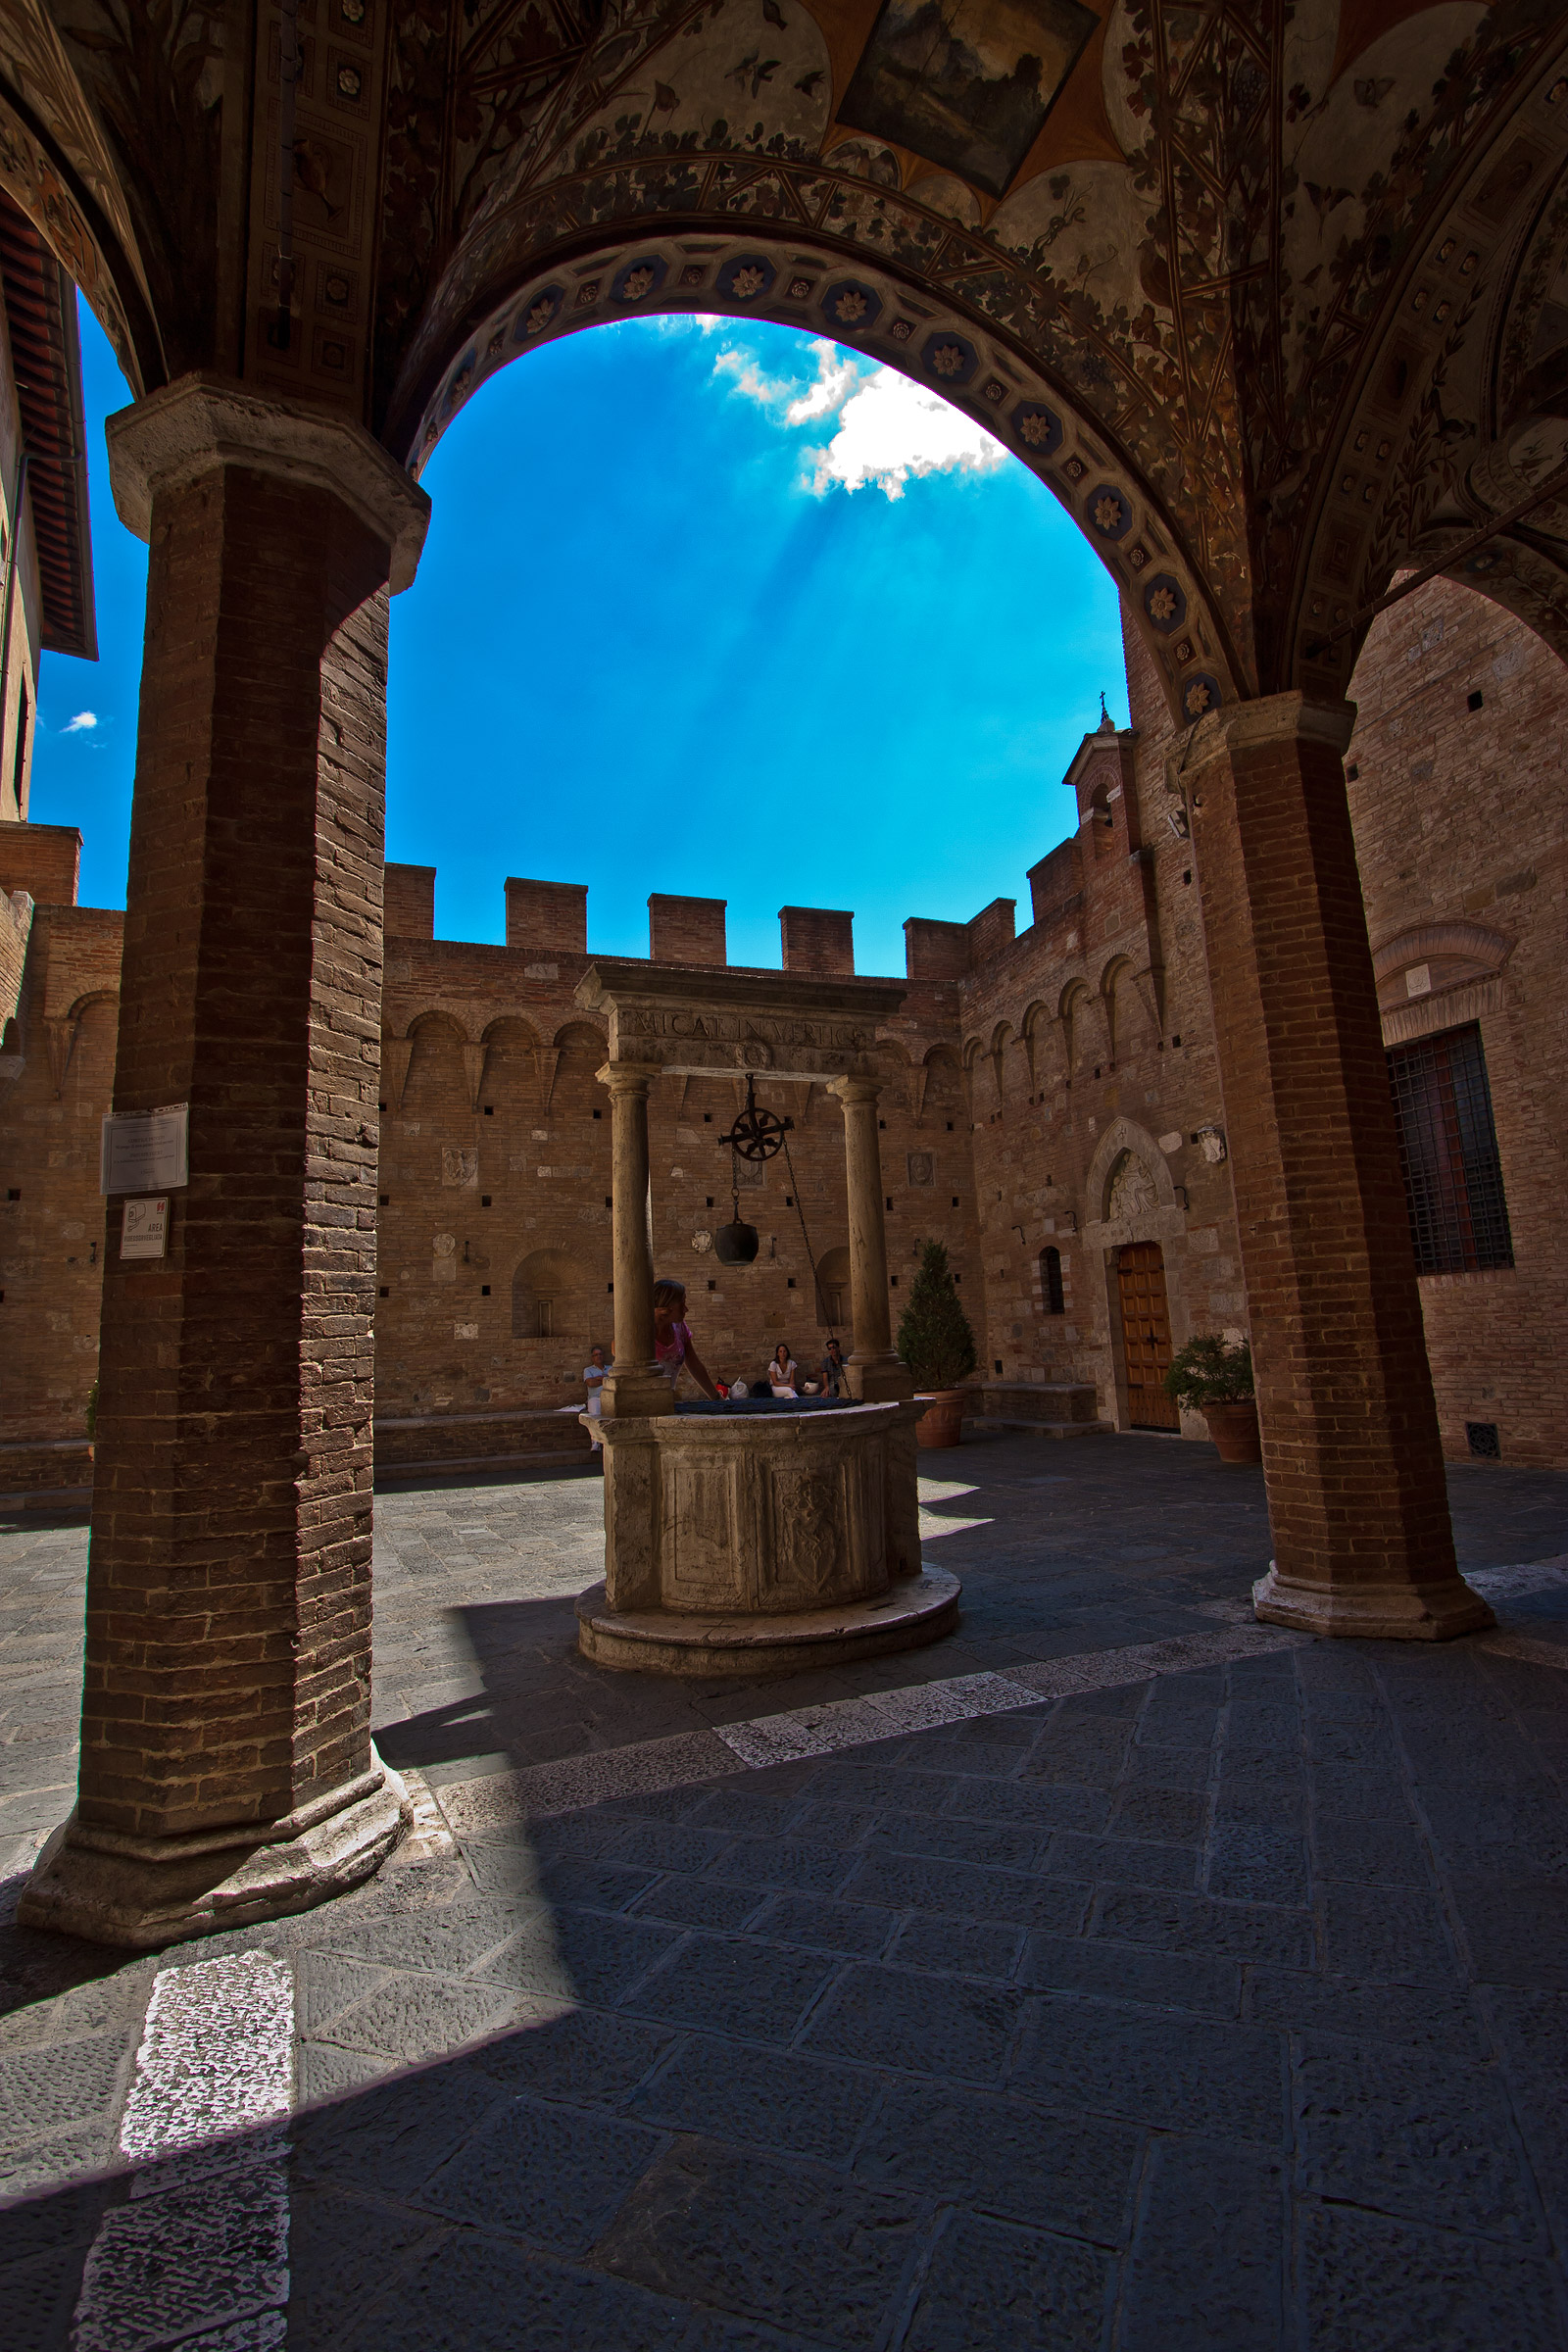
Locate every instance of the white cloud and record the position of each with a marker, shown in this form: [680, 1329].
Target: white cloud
[83, 724]
[888, 427]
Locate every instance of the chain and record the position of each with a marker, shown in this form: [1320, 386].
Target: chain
[816, 1287]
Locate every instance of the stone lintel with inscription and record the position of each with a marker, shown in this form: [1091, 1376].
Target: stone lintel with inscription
[693, 1021]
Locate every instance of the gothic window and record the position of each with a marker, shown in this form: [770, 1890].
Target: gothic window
[1448, 1153]
[1051, 1295]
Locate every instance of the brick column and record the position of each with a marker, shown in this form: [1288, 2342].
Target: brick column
[877, 1374]
[1353, 1464]
[227, 1767]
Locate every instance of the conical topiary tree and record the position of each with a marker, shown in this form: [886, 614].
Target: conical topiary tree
[934, 1338]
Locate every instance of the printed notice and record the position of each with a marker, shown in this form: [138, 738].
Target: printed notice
[145, 1150]
[144, 1232]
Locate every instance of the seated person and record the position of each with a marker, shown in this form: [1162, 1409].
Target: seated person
[781, 1370]
[834, 1372]
[672, 1340]
[593, 1379]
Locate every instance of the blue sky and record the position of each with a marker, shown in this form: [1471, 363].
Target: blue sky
[706, 606]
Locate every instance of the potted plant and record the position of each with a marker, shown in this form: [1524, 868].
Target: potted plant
[1209, 1378]
[936, 1342]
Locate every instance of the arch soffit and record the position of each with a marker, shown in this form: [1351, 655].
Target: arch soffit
[1470, 942]
[511, 1029]
[91, 1000]
[554, 1264]
[581, 1037]
[528, 299]
[1118, 968]
[1125, 1135]
[56, 166]
[1093, 338]
[1448, 410]
[941, 1057]
[438, 1022]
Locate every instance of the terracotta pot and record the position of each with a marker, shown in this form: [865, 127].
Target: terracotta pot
[1234, 1429]
[942, 1422]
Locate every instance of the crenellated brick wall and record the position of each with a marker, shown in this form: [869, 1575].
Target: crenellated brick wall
[1034, 1082]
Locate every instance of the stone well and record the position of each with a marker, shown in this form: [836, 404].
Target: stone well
[746, 1543]
[738, 1541]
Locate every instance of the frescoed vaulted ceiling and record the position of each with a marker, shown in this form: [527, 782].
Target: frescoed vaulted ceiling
[1273, 293]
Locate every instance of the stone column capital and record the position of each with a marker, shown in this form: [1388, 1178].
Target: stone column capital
[1247, 726]
[628, 1077]
[200, 423]
[855, 1090]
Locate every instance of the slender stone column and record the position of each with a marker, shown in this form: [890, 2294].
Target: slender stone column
[1352, 1458]
[877, 1375]
[634, 1383]
[227, 1767]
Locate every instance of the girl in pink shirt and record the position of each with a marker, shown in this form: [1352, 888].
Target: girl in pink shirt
[673, 1339]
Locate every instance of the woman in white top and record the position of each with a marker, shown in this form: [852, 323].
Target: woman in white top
[593, 1375]
[781, 1371]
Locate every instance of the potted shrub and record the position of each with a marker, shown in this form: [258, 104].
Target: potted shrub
[1209, 1378]
[936, 1342]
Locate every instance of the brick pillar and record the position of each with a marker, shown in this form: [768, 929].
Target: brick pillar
[1354, 1469]
[227, 1767]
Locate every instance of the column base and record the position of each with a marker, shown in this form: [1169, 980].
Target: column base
[919, 1609]
[1373, 1612]
[880, 1380]
[140, 1893]
[639, 1394]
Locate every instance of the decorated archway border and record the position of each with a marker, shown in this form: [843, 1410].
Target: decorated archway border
[849, 296]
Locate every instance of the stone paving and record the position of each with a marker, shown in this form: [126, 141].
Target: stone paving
[1223, 2005]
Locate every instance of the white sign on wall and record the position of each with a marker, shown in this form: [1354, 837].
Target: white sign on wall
[145, 1150]
[144, 1231]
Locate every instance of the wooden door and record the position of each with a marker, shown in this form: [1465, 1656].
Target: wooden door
[1146, 1335]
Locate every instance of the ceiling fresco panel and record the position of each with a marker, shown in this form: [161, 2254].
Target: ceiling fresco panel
[967, 84]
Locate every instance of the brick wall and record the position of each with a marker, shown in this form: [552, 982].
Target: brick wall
[44, 860]
[547, 919]
[1086, 1038]
[1461, 818]
[817, 939]
[686, 930]
[496, 1156]
[408, 898]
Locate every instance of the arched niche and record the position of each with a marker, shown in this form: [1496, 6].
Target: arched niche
[1129, 1195]
[555, 1296]
[833, 1290]
[510, 1069]
[939, 1084]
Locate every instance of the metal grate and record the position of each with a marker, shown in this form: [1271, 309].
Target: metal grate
[1448, 1153]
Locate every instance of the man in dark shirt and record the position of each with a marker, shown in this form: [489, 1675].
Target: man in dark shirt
[835, 1377]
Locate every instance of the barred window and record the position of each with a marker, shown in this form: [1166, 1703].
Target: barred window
[1449, 1152]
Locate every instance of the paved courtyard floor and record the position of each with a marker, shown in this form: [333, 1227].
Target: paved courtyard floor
[1118, 1973]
